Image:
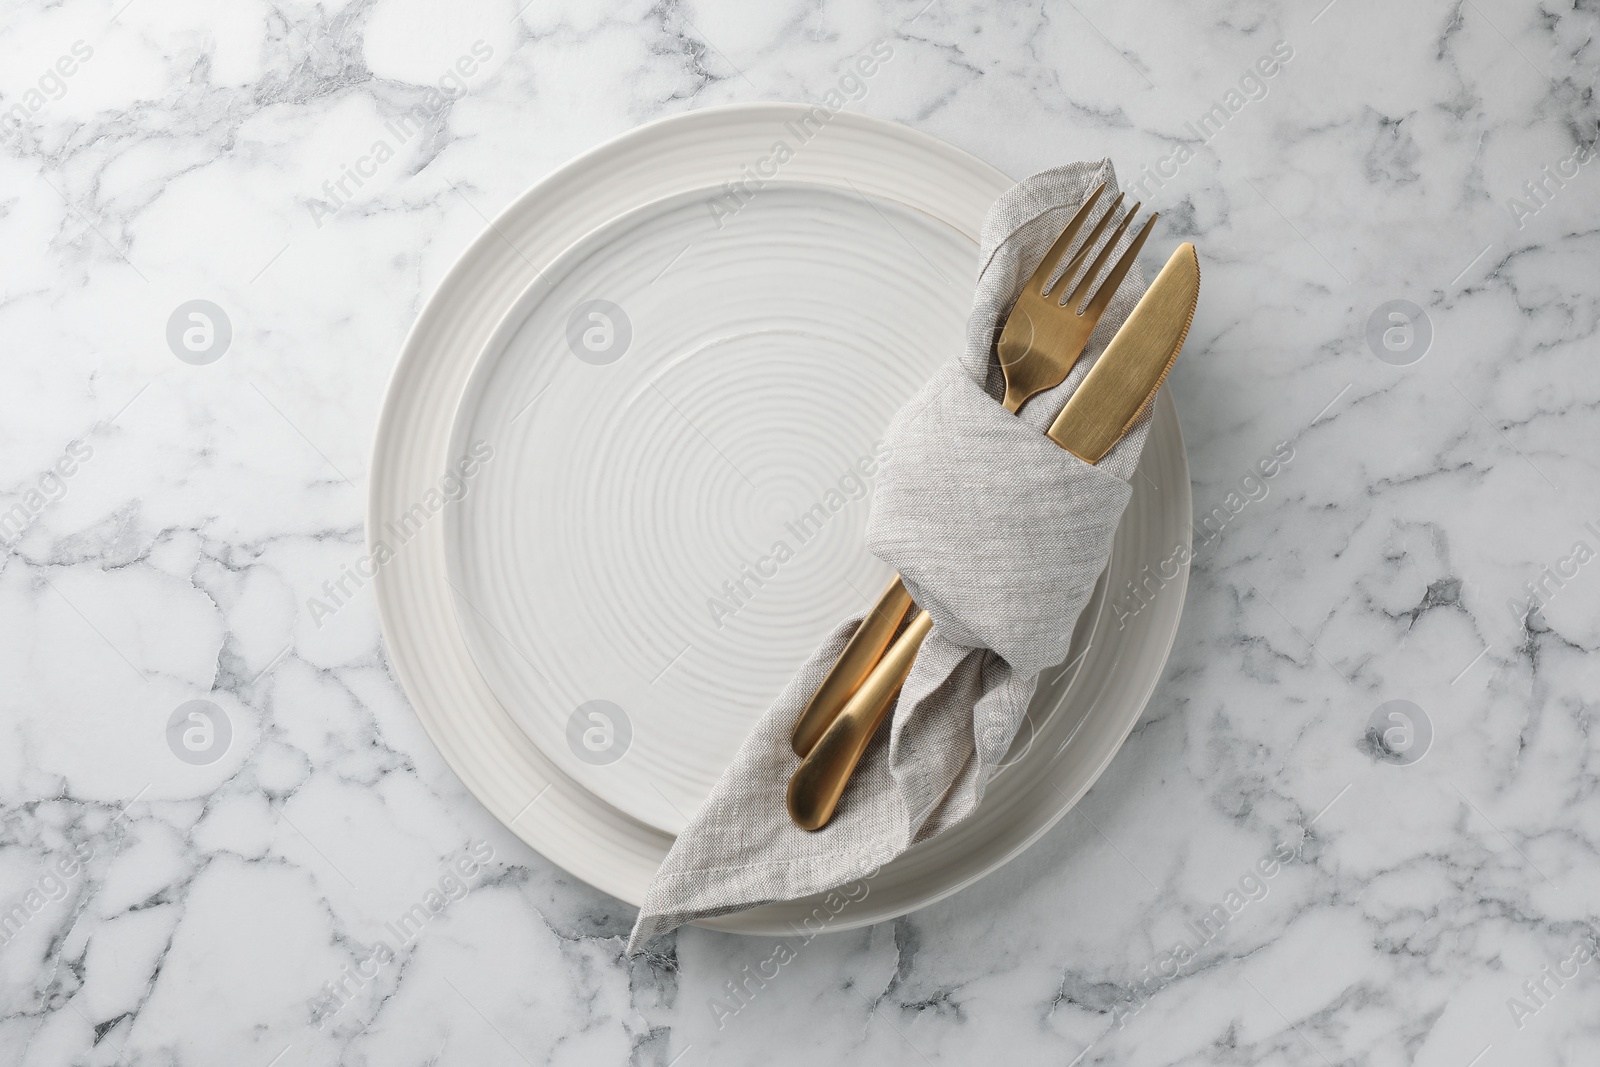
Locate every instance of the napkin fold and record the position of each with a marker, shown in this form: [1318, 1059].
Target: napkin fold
[1001, 535]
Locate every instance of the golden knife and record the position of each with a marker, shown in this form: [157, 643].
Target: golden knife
[1113, 395]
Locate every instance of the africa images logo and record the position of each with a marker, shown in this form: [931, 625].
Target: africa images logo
[395, 534]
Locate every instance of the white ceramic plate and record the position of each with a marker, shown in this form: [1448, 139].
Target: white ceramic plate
[580, 549]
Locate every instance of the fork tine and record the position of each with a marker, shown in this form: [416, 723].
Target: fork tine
[1081, 290]
[1089, 242]
[1041, 273]
[1119, 270]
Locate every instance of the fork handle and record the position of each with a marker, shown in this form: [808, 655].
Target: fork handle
[819, 781]
[852, 667]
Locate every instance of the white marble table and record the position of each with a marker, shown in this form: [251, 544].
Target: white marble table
[165, 522]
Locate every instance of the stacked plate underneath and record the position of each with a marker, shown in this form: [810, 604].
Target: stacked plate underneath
[625, 464]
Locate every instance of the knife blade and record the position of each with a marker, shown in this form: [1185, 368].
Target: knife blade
[1101, 410]
[1125, 378]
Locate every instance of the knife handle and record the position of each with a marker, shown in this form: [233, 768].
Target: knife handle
[819, 781]
[852, 667]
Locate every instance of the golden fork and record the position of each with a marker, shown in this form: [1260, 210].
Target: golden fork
[1043, 337]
